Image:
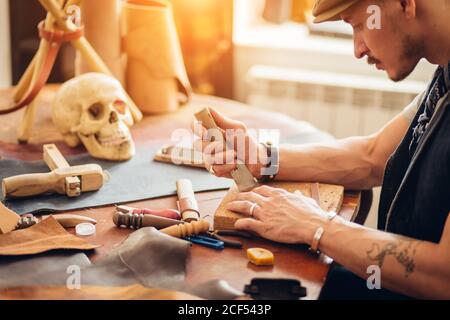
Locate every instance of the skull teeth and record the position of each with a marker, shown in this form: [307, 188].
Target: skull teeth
[113, 140]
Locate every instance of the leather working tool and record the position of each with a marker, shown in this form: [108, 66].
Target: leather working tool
[206, 241]
[187, 204]
[63, 179]
[241, 175]
[66, 220]
[166, 213]
[213, 240]
[139, 220]
[227, 243]
[234, 233]
[187, 229]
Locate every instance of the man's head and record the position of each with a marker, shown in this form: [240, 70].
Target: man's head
[387, 32]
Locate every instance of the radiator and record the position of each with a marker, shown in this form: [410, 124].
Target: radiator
[341, 104]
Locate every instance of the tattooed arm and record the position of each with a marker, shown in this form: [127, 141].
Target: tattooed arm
[416, 268]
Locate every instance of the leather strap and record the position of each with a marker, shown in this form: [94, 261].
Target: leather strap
[55, 39]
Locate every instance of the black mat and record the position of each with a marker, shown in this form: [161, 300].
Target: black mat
[137, 179]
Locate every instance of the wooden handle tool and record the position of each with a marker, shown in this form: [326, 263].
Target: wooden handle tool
[66, 220]
[166, 213]
[90, 175]
[241, 175]
[137, 221]
[187, 203]
[187, 229]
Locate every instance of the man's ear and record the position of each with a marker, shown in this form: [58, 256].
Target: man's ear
[409, 8]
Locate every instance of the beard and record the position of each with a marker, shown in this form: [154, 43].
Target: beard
[410, 54]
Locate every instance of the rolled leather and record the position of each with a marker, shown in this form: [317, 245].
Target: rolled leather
[155, 73]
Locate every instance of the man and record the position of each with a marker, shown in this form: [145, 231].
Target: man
[410, 157]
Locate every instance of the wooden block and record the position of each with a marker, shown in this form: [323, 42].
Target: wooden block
[8, 219]
[180, 156]
[331, 197]
[53, 157]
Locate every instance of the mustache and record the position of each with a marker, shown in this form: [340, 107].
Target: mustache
[372, 60]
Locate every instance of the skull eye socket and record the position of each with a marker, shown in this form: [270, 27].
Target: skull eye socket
[96, 110]
[120, 106]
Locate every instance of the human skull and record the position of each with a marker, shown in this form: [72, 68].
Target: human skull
[92, 109]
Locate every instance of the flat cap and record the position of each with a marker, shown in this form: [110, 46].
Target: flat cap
[329, 10]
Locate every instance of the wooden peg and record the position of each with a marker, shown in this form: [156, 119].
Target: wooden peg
[187, 229]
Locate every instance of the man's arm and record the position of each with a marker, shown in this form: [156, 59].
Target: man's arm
[356, 162]
[412, 267]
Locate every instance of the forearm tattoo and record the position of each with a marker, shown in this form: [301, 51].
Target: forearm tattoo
[403, 251]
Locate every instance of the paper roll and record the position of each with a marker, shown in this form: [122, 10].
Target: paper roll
[155, 74]
[101, 20]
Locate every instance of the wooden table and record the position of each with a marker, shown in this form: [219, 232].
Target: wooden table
[203, 264]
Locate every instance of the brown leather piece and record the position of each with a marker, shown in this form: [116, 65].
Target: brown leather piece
[148, 257]
[65, 36]
[44, 236]
[134, 292]
[55, 38]
[44, 269]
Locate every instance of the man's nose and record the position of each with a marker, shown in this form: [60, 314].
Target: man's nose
[360, 48]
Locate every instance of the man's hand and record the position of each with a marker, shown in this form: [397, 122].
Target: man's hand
[222, 159]
[279, 215]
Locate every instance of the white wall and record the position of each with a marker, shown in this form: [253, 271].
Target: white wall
[5, 53]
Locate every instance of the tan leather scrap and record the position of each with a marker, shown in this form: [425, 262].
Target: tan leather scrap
[44, 236]
[86, 292]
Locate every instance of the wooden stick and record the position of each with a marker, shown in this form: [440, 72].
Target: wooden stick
[82, 45]
[25, 80]
[30, 112]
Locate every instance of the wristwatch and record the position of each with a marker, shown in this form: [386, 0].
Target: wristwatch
[269, 172]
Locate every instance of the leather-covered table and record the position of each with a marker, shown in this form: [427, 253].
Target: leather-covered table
[291, 261]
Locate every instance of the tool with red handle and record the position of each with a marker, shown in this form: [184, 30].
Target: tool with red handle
[165, 213]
